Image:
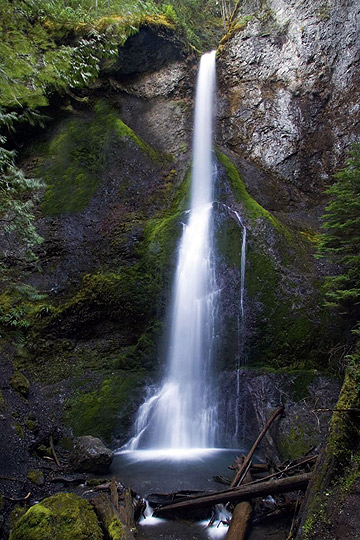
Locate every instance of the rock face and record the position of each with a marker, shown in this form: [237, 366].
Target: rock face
[90, 455]
[248, 398]
[289, 89]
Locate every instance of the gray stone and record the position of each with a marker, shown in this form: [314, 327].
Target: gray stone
[290, 100]
[91, 455]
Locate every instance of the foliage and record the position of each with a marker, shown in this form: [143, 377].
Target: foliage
[16, 206]
[341, 240]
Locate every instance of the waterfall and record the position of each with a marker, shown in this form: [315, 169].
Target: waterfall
[182, 413]
[241, 328]
[242, 265]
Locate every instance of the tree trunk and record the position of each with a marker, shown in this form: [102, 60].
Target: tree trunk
[243, 493]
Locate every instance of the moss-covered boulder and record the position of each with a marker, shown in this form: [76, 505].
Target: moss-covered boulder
[64, 516]
[91, 455]
[20, 383]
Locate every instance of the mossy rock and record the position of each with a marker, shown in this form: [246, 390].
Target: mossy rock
[2, 402]
[64, 516]
[36, 476]
[100, 412]
[19, 430]
[43, 450]
[16, 514]
[283, 302]
[20, 383]
[298, 441]
[77, 156]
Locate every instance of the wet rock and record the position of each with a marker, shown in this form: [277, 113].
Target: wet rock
[20, 383]
[64, 516]
[91, 455]
[36, 477]
[248, 398]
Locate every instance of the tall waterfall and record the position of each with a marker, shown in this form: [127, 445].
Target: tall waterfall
[182, 414]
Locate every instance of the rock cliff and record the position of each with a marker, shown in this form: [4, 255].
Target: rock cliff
[289, 93]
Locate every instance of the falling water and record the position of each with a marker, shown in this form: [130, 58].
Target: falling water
[242, 265]
[182, 414]
[241, 329]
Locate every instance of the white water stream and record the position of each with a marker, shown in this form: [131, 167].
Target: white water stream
[182, 413]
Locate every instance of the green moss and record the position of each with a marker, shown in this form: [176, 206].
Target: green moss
[99, 412]
[252, 209]
[116, 530]
[289, 326]
[297, 442]
[20, 383]
[78, 156]
[61, 517]
[301, 383]
[2, 402]
[30, 424]
[36, 477]
[19, 430]
[43, 450]
[2, 502]
[16, 514]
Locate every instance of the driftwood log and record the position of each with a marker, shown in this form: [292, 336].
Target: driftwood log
[242, 493]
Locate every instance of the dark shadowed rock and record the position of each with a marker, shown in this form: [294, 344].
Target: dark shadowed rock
[147, 51]
[91, 455]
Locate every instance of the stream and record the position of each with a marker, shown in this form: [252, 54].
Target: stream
[157, 471]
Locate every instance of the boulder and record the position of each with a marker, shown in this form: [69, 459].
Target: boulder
[91, 455]
[64, 516]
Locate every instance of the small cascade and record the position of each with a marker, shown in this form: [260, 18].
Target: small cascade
[241, 330]
[182, 413]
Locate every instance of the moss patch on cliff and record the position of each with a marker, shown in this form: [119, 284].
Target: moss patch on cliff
[288, 325]
[100, 412]
[77, 157]
[300, 439]
[63, 516]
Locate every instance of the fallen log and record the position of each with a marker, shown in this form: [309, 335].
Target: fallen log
[114, 496]
[243, 493]
[110, 518]
[240, 519]
[127, 510]
[297, 464]
[240, 473]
